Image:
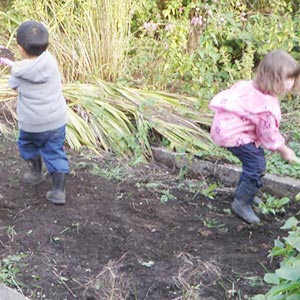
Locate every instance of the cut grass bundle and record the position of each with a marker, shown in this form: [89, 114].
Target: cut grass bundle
[106, 117]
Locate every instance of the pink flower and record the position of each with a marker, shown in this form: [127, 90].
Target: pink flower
[150, 26]
[169, 27]
[197, 21]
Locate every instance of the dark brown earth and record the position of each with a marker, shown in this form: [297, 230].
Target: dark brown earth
[136, 232]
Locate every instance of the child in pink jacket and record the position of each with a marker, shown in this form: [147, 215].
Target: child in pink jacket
[247, 118]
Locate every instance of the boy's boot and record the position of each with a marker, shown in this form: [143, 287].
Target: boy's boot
[244, 196]
[57, 195]
[35, 175]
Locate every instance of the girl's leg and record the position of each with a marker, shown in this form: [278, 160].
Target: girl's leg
[253, 162]
[253, 168]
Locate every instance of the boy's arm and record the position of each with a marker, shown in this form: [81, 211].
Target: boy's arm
[13, 82]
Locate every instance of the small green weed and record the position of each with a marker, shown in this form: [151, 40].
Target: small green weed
[9, 270]
[232, 293]
[167, 196]
[202, 189]
[273, 205]
[114, 173]
[210, 191]
[254, 281]
[182, 173]
[11, 233]
[109, 172]
[153, 185]
[213, 223]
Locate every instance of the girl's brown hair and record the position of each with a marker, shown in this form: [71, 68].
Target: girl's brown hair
[276, 67]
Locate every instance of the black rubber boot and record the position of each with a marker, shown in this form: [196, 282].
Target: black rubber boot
[257, 201]
[57, 195]
[243, 200]
[35, 175]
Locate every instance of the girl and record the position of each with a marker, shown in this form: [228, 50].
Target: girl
[247, 116]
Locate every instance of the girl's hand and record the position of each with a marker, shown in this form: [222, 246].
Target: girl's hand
[288, 154]
[297, 162]
[6, 62]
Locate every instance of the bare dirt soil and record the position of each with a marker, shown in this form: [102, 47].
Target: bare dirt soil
[139, 232]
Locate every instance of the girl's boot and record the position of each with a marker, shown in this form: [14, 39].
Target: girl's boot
[57, 195]
[35, 175]
[244, 196]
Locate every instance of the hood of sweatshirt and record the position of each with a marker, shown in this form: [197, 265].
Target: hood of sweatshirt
[36, 70]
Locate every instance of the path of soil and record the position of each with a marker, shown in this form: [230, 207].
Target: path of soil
[129, 232]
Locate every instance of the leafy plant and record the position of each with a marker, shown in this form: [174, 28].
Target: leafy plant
[273, 206]
[9, 271]
[167, 196]
[212, 223]
[210, 191]
[285, 280]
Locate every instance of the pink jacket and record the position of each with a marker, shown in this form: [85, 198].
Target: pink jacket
[245, 115]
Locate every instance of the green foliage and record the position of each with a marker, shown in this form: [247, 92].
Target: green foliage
[212, 223]
[210, 191]
[89, 38]
[9, 270]
[183, 46]
[273, 206]
[126, 121]
[199, 47]
[285, 280]
[167, 196]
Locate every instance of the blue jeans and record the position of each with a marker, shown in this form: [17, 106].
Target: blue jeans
[253, 162]
[49, 145]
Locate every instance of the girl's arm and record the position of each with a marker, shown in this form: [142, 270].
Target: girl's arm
[267, 131]
[270, 137]
[287, 154]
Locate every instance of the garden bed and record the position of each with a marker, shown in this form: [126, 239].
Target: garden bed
[142, 232]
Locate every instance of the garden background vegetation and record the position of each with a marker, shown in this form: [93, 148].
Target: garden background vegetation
[141, 73]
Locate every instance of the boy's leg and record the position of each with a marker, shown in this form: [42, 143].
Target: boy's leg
[253, 168]
[29, 144]
[57, 164]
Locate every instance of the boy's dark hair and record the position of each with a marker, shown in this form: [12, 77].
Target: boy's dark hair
[33, 37]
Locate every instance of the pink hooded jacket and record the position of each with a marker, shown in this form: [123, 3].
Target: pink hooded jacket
[245, 115]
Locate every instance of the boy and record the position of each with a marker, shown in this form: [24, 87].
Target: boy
[41, 109]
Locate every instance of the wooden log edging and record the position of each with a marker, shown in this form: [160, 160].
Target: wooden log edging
[279, 186]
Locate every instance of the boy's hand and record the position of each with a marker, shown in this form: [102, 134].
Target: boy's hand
[288, 154]
[6, 62]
